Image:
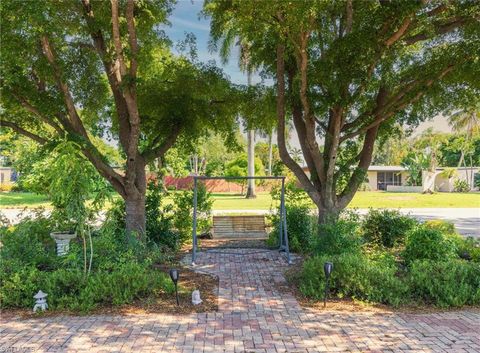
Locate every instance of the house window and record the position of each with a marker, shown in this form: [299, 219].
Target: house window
[388, 178]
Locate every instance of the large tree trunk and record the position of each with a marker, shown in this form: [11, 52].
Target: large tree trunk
[135, 220]
[327, 214]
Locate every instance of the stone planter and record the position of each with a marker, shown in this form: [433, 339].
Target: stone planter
[62, 239]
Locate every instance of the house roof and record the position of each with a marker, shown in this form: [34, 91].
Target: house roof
[386, 168]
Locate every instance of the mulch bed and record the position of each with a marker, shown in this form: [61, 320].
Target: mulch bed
[162, 303]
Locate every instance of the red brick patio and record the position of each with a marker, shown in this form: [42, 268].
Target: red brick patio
[254, 316]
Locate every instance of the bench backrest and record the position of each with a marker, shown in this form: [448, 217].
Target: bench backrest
[238, 226]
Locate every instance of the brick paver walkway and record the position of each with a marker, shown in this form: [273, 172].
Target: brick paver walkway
[254, 316]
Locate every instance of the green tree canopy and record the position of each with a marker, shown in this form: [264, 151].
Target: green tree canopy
[347, 71]
[77, 69]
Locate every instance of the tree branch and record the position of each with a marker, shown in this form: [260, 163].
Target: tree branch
[159, 151]
[282, 146]
[439, 29]
[67, 97]
[132, 38]
[22, 131]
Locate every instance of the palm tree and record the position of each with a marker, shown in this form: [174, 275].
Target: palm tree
[245, 64]
[468, 121]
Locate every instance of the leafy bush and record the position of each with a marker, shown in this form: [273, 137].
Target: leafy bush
[301, 224]
[460, 185]
[386, 227]
[338, 238]
[444, 227]
[6, 187]
[301, 228]
[159, 218]
[469, 249]
[447, 283]
[356, 276]
[426, 243]
[476, 180]
[121, 270]
[183, 211]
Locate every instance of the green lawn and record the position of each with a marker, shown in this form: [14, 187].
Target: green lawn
[22, 199]
[224, 201]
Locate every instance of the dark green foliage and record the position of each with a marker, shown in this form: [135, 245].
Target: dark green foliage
[183, 211]
[159, 218]
[356, 276]
[386, 227]
[445, 283]
[429, 244]
[121, 271]
[461, 186]
[442, 266]
[301, 227]
[338, 238]
[467, 248]
[301, 223]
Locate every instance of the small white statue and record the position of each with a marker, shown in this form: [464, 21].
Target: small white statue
[40, 301]
[196, 297]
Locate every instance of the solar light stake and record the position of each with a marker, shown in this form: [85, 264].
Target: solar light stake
[174, 276]
[327, 268]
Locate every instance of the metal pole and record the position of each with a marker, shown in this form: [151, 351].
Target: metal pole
[194, 231]
[289, 260]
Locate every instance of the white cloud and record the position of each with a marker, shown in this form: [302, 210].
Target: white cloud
[189, 24]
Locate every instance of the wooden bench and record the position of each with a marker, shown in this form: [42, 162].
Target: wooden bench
[239, 226]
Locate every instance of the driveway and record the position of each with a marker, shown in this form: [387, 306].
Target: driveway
[257, 314]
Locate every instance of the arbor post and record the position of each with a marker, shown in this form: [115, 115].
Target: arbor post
[194, 228]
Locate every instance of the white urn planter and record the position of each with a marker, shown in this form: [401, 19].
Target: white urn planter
[62, 240]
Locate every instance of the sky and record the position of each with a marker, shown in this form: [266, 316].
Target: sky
[186, 18]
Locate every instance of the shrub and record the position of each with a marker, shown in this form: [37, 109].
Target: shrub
[356, 276]
[301, 224]
[460, 185]
[6, 187]
[386, 227]
[159, 218]
[338, 238]
[426, 243]
[469, 249]
[183, 210]
[443, 226]
[301, 227]
[447, 283]
[121, 269]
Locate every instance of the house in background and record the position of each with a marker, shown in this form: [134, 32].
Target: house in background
[443, 183]
[394, 178]
[388, 177]
[7, 175]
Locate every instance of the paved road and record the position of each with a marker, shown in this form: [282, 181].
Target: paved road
[257, 314]
[466, 220]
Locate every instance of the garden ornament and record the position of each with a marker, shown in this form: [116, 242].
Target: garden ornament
[174, 274]
[196, 297]
[40, 301]
[62, 240]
